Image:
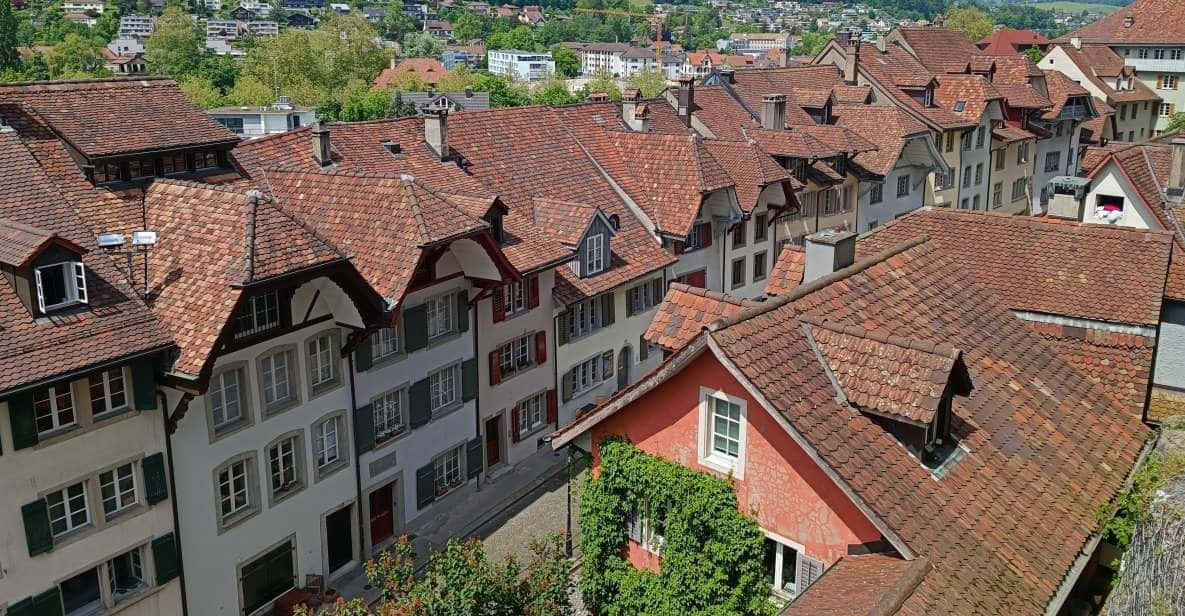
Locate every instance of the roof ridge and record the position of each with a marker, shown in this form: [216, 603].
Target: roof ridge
[279, 207]
[715, 295]
[883, 336]
[96, 80]
[226, 188]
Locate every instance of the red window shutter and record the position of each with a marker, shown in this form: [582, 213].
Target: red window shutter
[495, 367]
[514, 425]
[698, 279]
[677, 247]
[540, 347]
[533, 292]
[705, 235]
[553, 407]
[498, 304]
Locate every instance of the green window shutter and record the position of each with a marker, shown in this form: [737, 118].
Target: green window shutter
[363, 357]
[164, 554]
[561, 327]
[23, 420]
[144, 384]
[566, 386]
[469, 380]
[425, 486]
[463, 311]
[37, 533]
[364, 428]
[419, 405]
[415, 327]
[607, 309]
[473, 458]
[643, 348]
[156, 485]
[48, 603]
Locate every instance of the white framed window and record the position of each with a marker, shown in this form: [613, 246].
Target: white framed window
[902, 185]
[967, 176]
[975, 202]
[68, 509]
[979, 136]
[440, 315]
[584, 318]
[760, 227]
[722, 432]
[516, 355]
[322, 361]
[226, 405]
[643, 297]
[53, 408]
[646, 526]
[997, 194]
[108, 391]
[117, 487]
[282, 460]
[1053, 161]
[1165, 110]
[233, 491]
[442, 387]
[327, 442]
[594, 253]
[587, 374]
[125, 574]
[60, 285]
[978, 174]
[876, 193]
[259, 313]
[1169, 82]
[759, 266]
[447, 471]
[1022, 153]
[275, 373]
[385, 343]
[388, 415]
[780, 563]
[738, 273]
[531, 413]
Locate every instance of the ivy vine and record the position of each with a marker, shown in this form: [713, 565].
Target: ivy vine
[711, 560]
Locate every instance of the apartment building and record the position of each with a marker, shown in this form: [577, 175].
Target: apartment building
[758, 41]
[1110, 80]
[136, 25]
[251, 122]
[1012, 169]
[78, 7]
[973, 98]
[604, 57]
[521, 65]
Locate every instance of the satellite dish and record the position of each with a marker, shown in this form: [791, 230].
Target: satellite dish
[143, 238]
[110, 240]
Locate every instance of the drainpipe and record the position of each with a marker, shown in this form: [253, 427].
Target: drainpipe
[477, 395]
[164, 408]
[357, 459]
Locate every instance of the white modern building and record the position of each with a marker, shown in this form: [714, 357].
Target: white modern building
[136, 25]
[521, 65]
[251, 122]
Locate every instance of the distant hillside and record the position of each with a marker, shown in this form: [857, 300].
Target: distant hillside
[1075, 7]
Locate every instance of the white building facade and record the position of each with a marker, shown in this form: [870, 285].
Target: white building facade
[521, 65]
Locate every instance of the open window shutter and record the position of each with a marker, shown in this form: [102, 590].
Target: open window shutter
[562, 328]
[643, 349]
[40, 291]
[80, 281]
[607, 309]
[156, 486]
[37, 533]
[425, 486]
[463, 311]
[364, 354]
[515, 424]
[533, 292]
[540, 348]
[495, 367]
[607, 364]
[809, 570]
[699, 279]
[553, 407]
[498, 304]
[473, 466]
[415, 327]
[705, 235]
[656, 291]
[364, 428]
[48, 603]
[419, 405]
[144, 384]
[566, 385]
[23, 420]
[630, 305]
[469, 380]
[164, 554]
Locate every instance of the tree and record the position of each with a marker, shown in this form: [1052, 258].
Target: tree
[422, 45]
[553, 92]
[1176, 123]
[972, 21]
[176, 46]
[396, 23]
[567, 63]
[36, 69]
[9, 59]
[201, 91]
[603, 82]
[1035, 54]
[74, 55]
[467, 27]
[812, 43]
[220, 71]
[365, 103]
[503, 93]
[649, 81]
[521, 38]
[462, 578]
[251, 92]
[457, 79]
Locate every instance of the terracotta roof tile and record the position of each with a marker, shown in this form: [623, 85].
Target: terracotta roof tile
[787, 272]
[685, 311]
[750, 168]
[898, 71]
[1008, 40]
[429, 70]
[1152, 21]
[888, 127]
[859, 585]
[973, 91]
[565, 220]
[20, 242]
[1061, 88]
[940, 49]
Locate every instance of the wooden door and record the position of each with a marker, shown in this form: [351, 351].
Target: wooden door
[382, 514]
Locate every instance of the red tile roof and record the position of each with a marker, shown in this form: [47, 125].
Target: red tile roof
[20, 242]
[896, 70]
[865, 585]
[888, 127]
[565, 220]
[974, 91]
[686, 311]
[750, 168]
[1098, 61]
[1151, 21]
[1061, 88]
[940, 49]
[429, 70]
[1008, 41]
[787, 272]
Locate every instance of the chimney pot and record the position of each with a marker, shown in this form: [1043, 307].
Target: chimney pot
[828, 251]
[880, 43]
[436, 132]
[773, 111]
[686, 99]
[321, 147]
[851, 61]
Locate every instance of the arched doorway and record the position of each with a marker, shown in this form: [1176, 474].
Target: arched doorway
[625, 359]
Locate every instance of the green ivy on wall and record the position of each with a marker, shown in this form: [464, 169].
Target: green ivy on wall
[711, 554]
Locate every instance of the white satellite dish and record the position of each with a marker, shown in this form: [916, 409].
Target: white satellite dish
[143, 238]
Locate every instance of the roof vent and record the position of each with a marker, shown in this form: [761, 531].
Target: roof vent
[1129, 20]
[392, 146]
[827, 251]
[960, 106]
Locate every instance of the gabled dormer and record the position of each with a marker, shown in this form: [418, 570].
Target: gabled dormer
[584, 229]
[46, 269]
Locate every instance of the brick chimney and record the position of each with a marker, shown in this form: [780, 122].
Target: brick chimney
[633, 111]
[828, 251]
[773, 111]
[851, 60]
[321, 147]
[686, 99]
[436, 132]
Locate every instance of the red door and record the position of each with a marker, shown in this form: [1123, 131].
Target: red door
[382, 514]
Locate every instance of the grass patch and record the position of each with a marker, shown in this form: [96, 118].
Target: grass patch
[1076, 7]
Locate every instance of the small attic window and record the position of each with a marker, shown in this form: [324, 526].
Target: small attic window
[960, 106]
[615, 222]
[60, 285]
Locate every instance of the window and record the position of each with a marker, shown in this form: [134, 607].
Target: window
[125, 574]
[323, 361]
[997, 194]
[385, 343]
[118, 489]
[759, 266]
[1058, 128]
[594, 247]
[282, 465]
[447, 471]
[1022, 153]
[1018, 189]
[1165, 110]
[1000, 159]
[516, 355]
[225, 398]
[205, 160]
[326, 442]
[275, 372]
[646, 526]
[1142, 54]
[259, 313]
[107, 172]
[979, 136]
[967, 140]
[760, 227]
[1175, 54]
[1168, 82]
[268, 577]
[60, 285]
[67, 509]
[108, 392]
[587, 374]
[440, 315]
[388, 415]
[738, 234]
[978, 174]
[643, 297]
[950, 142]
[141, 168]
[726, 429]
[965, 203]
[53, 408]
[975, 202]
[531, 413]
[1131, 135]
[1157, 54]
[943, 180]
[175, 164]
[1122, 112]
[1053, 160]
[442, 387]
[967, 176]
[585, 318]
[960, 106]
[876, 193]
[234, 125]
[781, 567]
[514, 298]
[81, 594]
[233, 493]
[903, 186]
[738, 273]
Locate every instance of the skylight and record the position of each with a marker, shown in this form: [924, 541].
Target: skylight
[959, 106]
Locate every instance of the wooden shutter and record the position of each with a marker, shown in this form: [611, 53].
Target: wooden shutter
[532, 292]
[540, 347]
[607, 317]
[164, 554]
[498, 304]
[156, 485]
[364, 428]
[144, 384]
[469, 380]
[553, 408]
[48, 603]
[23, 420]
[419, 404]
[630, 308]
[698, 279]
[809, 570]
[37, 534]
[515, 424]
[561, 331]
[473, 465]
[677, 247]
[364, 354]
[607, 364]
[705, 235]
[566, 386]
[415, 328]
[1159, 82]
[643, 348]
[425, 486]
[462, 311]
[495, 367]
[655, 292]
[80, 282]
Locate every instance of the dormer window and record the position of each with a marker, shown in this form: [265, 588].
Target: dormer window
[107, 172]
[60, 285]
[258, 314]
[594, 254]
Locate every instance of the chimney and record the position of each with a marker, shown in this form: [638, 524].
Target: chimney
[321, 150]
[851, 60]
[1076, 42]
[729, 75]
[598, 97]
[828, 251]
[1176, 187]
[629, 109]
[880, 43]
[253, 199]
[686, 99]
[773, 112]
[436, 131]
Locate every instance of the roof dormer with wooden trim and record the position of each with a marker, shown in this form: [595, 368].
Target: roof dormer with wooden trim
[46, 269]
[584, 229]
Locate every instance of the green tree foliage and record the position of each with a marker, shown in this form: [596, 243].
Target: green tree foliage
[649, 81]
[456, 80]
[176, 45]
[9, 60]
[75, 56]
[603, 82]
[521, 37]
[1176, 123]
[1022, 17]
[422, 45]
[250, 91]
[553, 92]
[812, 43]
[365, 103]
[972, 21]
[503, 93]
[201, 91]
[396, 23]
[35, 68]
[1132, 504]
[1034, 53]
[567, 63]
[468, 27]
[462, 581]
[220, 71]
[711, 555]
